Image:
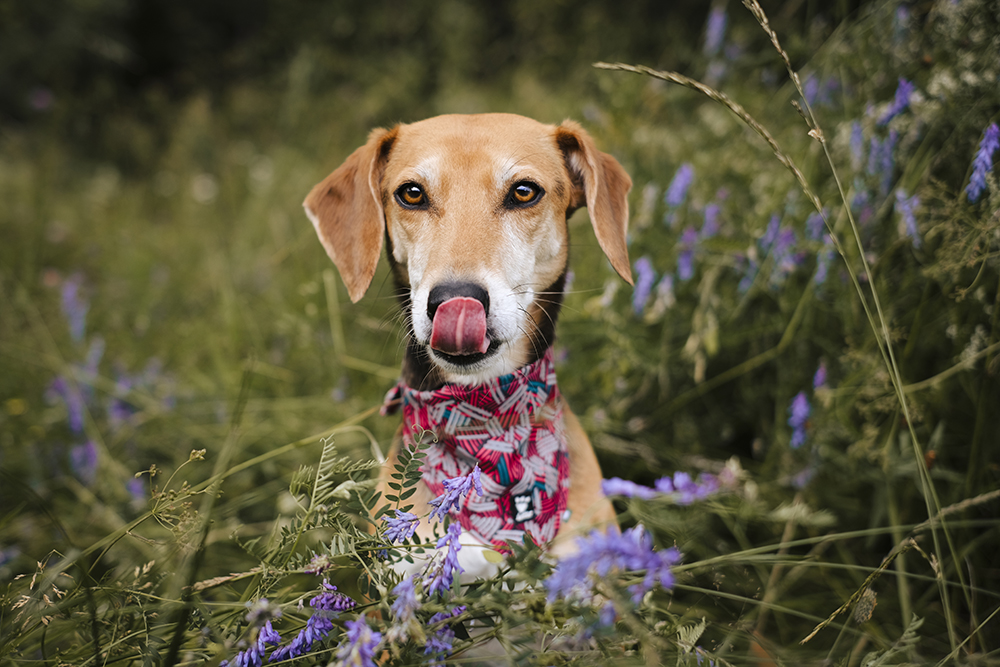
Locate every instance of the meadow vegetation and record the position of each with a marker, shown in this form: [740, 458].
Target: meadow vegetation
[792, 407]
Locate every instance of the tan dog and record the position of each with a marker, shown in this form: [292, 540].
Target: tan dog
[473, 210]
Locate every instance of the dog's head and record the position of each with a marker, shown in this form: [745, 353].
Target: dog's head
[474, 211]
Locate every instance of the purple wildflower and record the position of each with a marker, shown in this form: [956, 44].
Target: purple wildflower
[607, 616]
[810, 89]
[404, 610]
[857, 145]
[881, 162]
[665, 291]
[905, 206]
[711, 225]
[401, 528]
[327, 605]
[440, 575]
[72, 397]
[677, 190]
[685, 260]
[771, 233]
[136, 489]
[799, 412]
[442, 642]
[454, 488]
[319, 564]
[815, 225]
[982, 164]
[819, 378]
[715, 30]
[900, 103]
[74, 307]
[359, 649]
[254, 656]
[685, 490]
[83, 460]
[645, 277]
[601, 553]
[331, 602]
[746, 282]
[617, 486]
[824, 258]
[317, 628]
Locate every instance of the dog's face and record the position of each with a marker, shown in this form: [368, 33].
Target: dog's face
[474, 210]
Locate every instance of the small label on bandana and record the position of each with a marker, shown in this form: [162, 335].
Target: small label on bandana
[522, 507]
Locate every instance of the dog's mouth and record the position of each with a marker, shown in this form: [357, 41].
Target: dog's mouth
[468, 360]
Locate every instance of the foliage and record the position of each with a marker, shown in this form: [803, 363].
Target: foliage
[792, 408]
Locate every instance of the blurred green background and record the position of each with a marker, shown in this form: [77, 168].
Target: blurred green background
[156, 266]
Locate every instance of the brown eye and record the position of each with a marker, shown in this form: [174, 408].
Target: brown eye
[522, 194]
[411, 195]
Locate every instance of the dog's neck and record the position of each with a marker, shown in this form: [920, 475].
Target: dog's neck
[419, 371]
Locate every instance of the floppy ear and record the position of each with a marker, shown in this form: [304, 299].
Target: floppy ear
[346, 210]
[605, 187]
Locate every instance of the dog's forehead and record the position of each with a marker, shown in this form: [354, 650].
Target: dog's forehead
[500, 144]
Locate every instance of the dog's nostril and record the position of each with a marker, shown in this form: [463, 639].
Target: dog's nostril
[443, 292]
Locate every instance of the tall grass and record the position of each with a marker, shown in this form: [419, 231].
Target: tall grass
[802, 384]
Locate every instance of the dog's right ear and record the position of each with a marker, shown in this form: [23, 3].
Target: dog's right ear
[346, 210]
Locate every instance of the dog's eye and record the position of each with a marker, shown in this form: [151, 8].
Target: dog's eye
[523, 194]
[411, 195]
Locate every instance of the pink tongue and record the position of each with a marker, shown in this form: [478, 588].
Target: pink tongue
[460, 327]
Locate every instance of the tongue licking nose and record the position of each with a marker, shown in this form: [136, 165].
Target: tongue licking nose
[459, 327]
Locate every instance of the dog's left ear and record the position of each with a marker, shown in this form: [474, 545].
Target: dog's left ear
[346, 210]
[605, 188]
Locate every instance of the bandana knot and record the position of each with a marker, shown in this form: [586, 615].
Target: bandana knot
[512, 426]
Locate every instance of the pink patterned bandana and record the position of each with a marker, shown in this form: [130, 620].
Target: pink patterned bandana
[512, 426]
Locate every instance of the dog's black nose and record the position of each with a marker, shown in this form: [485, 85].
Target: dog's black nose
[445, 291]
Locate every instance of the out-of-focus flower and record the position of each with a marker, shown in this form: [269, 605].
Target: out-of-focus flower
[715, 30]
[60, 389]
[681, 488]
[982, 164]
[900, 103]
[645, 277]
[401, 528]
[799, 411]
[906, 207]
[454, 488]
[685, 260]
[600, 554]
[815, 225]
[819, 378]
[358, 649]
[770, 233]
[711, 225]
[881, 160]
[857, 145]
[74, 306]
[617, 486]
[83, 460]
[441, 574]
[677, 190]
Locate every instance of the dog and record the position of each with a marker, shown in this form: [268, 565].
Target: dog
[473, 212]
